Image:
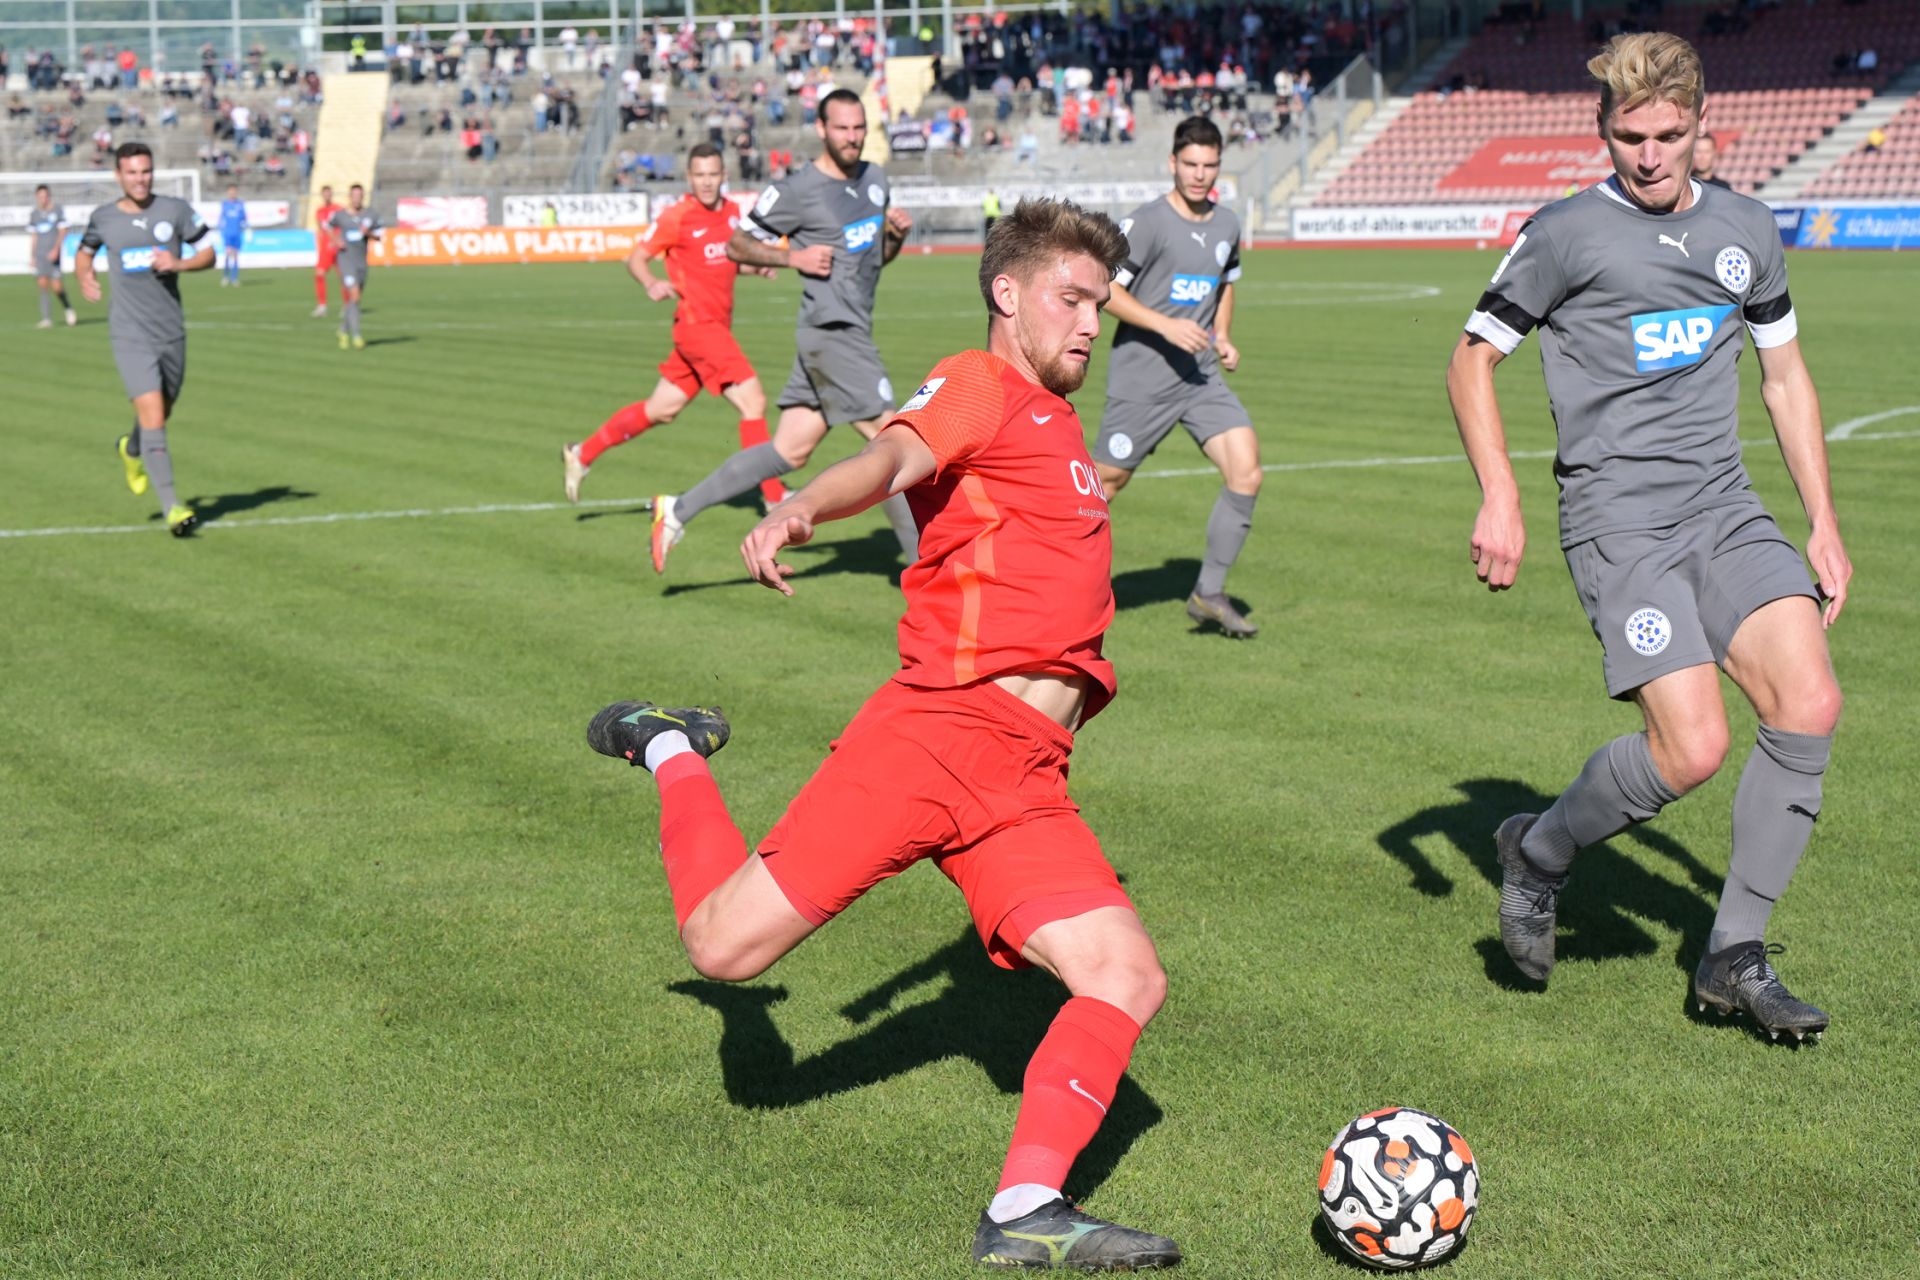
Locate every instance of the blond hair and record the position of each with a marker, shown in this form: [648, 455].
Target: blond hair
[1648, 66]
[1039, 232]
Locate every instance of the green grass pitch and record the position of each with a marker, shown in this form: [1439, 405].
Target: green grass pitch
[329, 948]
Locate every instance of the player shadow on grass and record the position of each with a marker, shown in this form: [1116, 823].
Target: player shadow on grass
[1172, 581]
[227, 504]
[1608, 897]
[877, 553]
[983, 1013]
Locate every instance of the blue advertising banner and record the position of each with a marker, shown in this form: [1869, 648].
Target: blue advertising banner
[1856, 227]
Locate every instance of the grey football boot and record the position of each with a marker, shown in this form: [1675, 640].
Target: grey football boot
[1529, 900]
[1740, 977]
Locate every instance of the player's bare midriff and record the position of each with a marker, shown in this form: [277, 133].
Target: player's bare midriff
[1059, 698]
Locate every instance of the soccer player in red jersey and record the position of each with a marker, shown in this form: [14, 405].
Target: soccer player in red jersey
[692, 234]
[323, 244]
[962, 756]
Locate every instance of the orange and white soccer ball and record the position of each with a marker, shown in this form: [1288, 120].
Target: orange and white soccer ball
[1398, 1188]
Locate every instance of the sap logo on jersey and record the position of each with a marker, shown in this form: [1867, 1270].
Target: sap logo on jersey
[132, 260]
[1191, 291]
[861, 235]
[1668, 339]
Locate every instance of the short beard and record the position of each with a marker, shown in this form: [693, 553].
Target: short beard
[1060, 375]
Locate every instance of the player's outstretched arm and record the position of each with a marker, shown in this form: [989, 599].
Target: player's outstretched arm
[1184, 334]
[893, 461]
[1787, 390]
[814, 260]
[1499, 533]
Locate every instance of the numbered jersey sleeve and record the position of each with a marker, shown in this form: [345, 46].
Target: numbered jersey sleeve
[1769, 309]
[958, 410]
[1527, 285]
[777, 213]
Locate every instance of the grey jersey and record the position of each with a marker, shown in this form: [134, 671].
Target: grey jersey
[145, 307]
[811, 208]
[45, 224]
[356, 229]
[1175, 267]
[1639, 317]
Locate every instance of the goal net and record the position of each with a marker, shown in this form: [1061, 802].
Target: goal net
[79, 190]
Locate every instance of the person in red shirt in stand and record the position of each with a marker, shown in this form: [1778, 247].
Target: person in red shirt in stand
[692, 234]
[962, 755]
[323, 244]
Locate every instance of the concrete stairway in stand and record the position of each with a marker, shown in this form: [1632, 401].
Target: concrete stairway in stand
[346, 141]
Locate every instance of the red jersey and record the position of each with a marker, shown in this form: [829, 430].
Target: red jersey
[321, 217]
[694, 240]
[1016, 560]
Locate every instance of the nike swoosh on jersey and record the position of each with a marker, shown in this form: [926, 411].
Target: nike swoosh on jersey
[698, 232]
[1039, 421]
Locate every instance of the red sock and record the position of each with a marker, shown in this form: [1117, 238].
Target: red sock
[1070, 1084]
[620, 428]
[320, 287]
[699, 844]
[753, 431]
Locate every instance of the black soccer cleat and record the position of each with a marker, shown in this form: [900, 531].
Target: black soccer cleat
[1219, 610]
[1057, 1235]
[1529, 900]
[624, 729]
[1739, 977]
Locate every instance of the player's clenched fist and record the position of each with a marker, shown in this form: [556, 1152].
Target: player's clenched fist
[761, 549]
[814, 260]
[1499, 540]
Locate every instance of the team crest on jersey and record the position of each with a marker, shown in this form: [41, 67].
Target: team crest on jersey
[1220, 252]
[1670, 339]
[876, 193]
[163, 231]
[1649, 632]
[1734, 268]
[918, 400]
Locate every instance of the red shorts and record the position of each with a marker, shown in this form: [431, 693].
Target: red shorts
[705, 356]
[974, 779]
[325, 261]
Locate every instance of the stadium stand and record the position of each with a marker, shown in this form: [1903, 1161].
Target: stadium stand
[1892, 168]
[1779, 80]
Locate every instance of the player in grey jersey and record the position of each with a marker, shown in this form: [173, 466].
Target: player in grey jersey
[1639, 287]
[353, 229]
[146, 239]
[47, 224]
[841, 231]
[1174, 302]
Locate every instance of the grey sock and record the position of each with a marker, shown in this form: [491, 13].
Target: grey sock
[1618, 787]
[1226, 533]
[46, 304]
[900, 516]
[350, 319]
[743, 471]
[1773, 814]
[159, 465]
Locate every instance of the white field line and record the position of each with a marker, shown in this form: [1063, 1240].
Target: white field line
[1846, 430]
[235, 523]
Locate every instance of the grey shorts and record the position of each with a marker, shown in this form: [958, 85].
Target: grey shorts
[149, 367]
[353, 275]
[44, 270]
[1132, 429]
[838, 372]
[1661, 600]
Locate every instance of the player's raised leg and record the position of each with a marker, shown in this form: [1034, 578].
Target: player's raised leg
[733, 919]
[1110, 969]
[659, 408]
[1779, 659]
[749, 399]
[799, 433]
